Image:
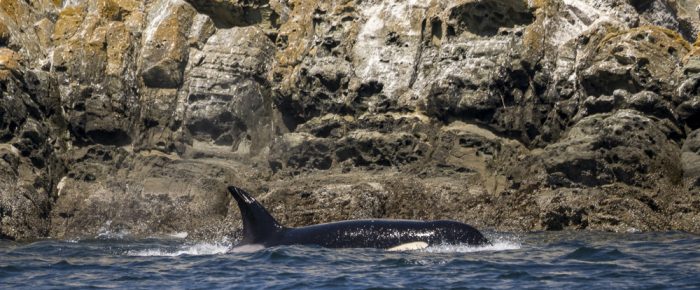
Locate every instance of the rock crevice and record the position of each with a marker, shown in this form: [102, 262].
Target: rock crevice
[131, 117]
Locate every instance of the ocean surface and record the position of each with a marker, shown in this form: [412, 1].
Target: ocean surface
[556, 260]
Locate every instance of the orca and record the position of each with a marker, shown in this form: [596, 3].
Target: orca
[260, 229]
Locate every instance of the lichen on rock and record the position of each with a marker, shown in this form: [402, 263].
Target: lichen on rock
[132, 116]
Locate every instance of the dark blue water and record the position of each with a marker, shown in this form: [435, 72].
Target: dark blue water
[560, 260]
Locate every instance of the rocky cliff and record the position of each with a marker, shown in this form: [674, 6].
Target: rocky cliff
[131, 117]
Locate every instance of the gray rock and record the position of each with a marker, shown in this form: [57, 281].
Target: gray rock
[603, 149]
[114, 193]
[690, 158]
[132, 116]
[229, 102]
[164, 53]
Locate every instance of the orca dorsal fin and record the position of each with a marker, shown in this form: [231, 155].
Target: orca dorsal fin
[258, 224]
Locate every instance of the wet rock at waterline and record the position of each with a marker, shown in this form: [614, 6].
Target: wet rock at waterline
[131, 117]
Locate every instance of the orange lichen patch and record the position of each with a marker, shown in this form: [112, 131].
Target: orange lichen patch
[9, 61]
[677, 38]
[118, 43]
[667, 36]
[43, 29]
[171, 33]
[13, 8]
[534, 37]
[541, 3]
[128, 5]
[663, 48]
[692, 57]
[655, 51]
[98, 37]
[296, 33]
[4, 33]
[68, 23]
[693, 54]
[109, 10]
[116, 10]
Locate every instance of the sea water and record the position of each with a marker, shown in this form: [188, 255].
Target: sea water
[558, 260]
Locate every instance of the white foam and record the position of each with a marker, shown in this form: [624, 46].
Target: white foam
[106, 232]
[198, 249]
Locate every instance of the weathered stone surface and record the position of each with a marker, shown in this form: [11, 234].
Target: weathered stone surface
[644, 58]
[689, 110]
[229, 13]
[691, 159]
[162, 195]
[164, 53]
[99, 101]
[511, 115]
[300, 151]
[28, 166]
[4, 34]
[624, 147]
[229, 102]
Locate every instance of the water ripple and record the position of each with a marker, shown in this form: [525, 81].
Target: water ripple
[560, 260]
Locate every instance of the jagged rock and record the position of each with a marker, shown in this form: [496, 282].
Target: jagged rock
[681, 16]
[330, 125]
[314, 203]
[98, 101]
[300, 151]
[690, 158]
[602, 149]
[161, 120]
[229, 102]
[164, 53]
[689, 110]
[606, 210]
[645, 58]
[230, 13]
[466, 148]
[653, 105]
[22, 210]
[18, 19]
[9, 62]
[110, 190]
[514, 115]
[28, 166]
[4, 34]
[371, 148]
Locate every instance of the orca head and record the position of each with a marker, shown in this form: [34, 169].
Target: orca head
[259, 226]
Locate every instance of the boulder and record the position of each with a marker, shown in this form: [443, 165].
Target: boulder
[164, 52]
[624, 147]
[690, 159]
[229, 102]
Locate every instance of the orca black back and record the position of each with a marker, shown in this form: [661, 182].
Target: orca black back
[259, 227]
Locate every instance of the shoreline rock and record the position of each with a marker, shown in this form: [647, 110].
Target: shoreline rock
[129, 116]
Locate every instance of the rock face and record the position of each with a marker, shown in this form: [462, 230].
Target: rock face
[125, 117]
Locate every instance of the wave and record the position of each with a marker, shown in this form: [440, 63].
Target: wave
[499, 243]
[197, 249]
